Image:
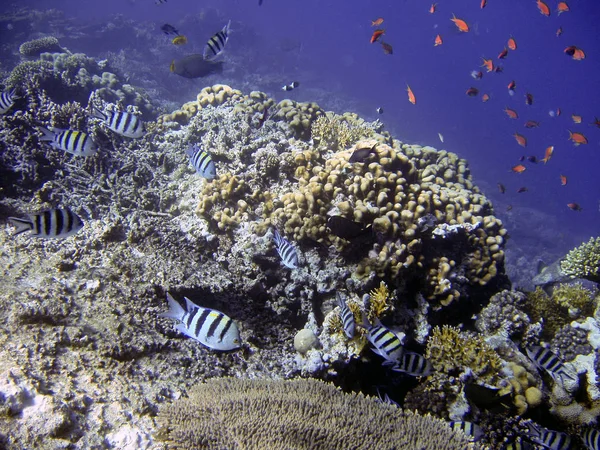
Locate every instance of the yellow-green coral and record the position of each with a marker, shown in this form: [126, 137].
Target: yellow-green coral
[338, 132]
[451, 351]
[574, 297]
[379, 302]
[583, 261]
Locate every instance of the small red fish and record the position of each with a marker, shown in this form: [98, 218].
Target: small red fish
[543, 8]
[460, 24]
[411, 96]
[488, 64]
[432, 8]
[387, 48]
[532, 124]
[559, 31]
[532, 159]
[485, 98]
[519, 168]
[477, 74]
[562, 7]
[377, 22]
[498, 69]
[503, 53]
[376, 35]
[522, 158]
[521, 140]
[577, 138]
[558, 112]
[576, 53]
[472, 92]
[563, 180]
[575, 206]
[511, 113]
[512, 85]
[548, 154]
[596, 122]
[501, 188]
[528, 99]
[483, 3]
[512, 44]
[521, 190]
[438, 41]
[576, 118]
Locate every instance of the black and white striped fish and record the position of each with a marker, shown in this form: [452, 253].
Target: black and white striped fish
[548, 361]
[554, 440]
[202, 162]
[77, 143]
[591, 438]
[290, 87]
[54, 223]
[347, 317]
[216, 44]
[7, 100]
[287, 252]
[159, 2]
[386, 343]
[210, 327]
[121, 122]
[413, 364]
[469, 428]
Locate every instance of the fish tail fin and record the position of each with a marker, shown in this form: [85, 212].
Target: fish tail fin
[98, 114]
[175, 311]
[21, 225]
[227, 28]
[48, 134]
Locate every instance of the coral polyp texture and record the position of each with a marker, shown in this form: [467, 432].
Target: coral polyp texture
[271, 414]
[584, 261]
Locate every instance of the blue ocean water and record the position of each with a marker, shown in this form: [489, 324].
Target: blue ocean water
[325, 46]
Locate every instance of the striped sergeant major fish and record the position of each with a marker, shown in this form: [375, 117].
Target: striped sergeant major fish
[7, 100]
[216, 44]
[211, 328]
[202, 162]
[347, 317]
[287, 252]
[385, 342]
[121, 122]
[548, 361]
[591, 438]
[554, 440]
[54, 223]
[77, 143]
[413, 364]
[520, 445]
[469, 428]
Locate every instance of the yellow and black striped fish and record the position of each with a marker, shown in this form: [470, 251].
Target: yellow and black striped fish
[121, 122]
[386, 343]
[347, 317]
[75, 142]
[216, 44]
[54, 223]
[413, 364]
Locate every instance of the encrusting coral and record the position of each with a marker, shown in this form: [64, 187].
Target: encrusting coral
[301, 414]
[584, 261]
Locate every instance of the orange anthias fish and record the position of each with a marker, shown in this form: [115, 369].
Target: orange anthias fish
[532, 124]
[562, 7]
[472, 92]
[577, 138]
[576, 53]
[575, 206]
[377, 22]
[528, 99]
[543, 8]
[387, 48]
[521, 140]
[485, 98]
[432, 8]
[411, 95]
[576, 118]
[519, 168]
[511, 113]
[438, 41]
[511, 86]
[460, 24]
[503, 53]
[512, 44]
[488, 64]
[548, 154]
[563, 180]
[483, 3]
[376, 35]
[596, 122]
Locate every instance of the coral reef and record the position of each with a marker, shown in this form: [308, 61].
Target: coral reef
[338, 132]
[264, 414]
[36, 47]
[584, 261]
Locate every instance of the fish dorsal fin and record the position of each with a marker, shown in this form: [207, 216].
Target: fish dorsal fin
[541, 266]
[189, 305]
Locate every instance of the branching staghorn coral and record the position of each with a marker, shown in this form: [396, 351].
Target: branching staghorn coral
[339, 132]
